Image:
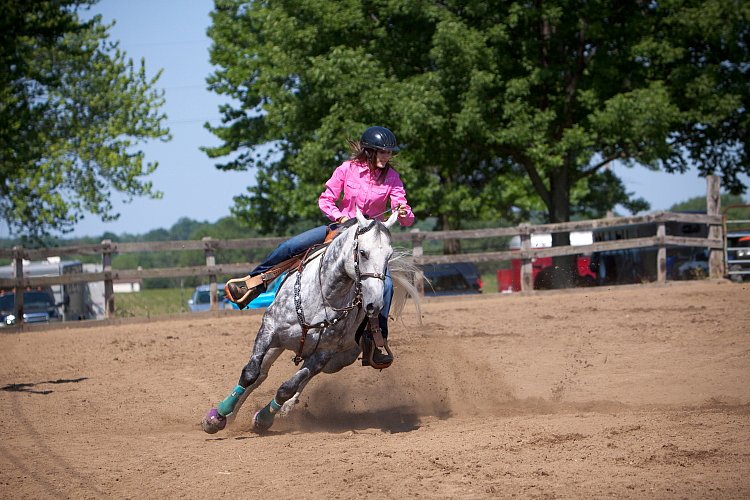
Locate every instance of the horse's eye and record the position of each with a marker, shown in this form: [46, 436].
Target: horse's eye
[363, 254]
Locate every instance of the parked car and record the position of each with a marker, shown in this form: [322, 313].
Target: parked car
[201, 298]
[692, 267]
[264, 299]
[452, 279]
[738, 259]
[38, 307]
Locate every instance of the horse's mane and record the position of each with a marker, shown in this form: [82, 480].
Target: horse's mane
[403, 271]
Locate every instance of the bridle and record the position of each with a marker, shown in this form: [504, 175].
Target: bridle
[356, 300]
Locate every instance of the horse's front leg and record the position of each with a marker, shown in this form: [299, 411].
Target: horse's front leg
[313, 365]
[253, 374]
[268, 360]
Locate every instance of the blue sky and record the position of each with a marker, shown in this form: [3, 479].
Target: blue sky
[171, 35]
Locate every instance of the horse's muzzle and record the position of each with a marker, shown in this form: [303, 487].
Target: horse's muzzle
[372, 310]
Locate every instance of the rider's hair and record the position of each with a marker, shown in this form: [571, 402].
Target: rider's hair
[369, 156]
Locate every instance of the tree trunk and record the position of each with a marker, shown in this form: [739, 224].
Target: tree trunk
[450, 247]
[564, 271]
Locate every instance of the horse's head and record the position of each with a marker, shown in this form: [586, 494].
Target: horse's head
[371, 247]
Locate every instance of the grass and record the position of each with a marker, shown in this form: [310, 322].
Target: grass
[152, 302]
[160, 301]
[489, 282]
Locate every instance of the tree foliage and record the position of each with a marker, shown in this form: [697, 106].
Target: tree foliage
[505, 109]
[73, 109]
[226, 228]
[733, 206]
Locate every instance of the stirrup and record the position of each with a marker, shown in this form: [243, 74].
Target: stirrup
[372, 340]
[242, 291]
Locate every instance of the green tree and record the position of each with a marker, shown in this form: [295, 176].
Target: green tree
[700, 50]
[73, 109]
[734, 206]
[506, 109]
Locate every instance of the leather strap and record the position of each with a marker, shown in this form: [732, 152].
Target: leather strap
[270, 275]
[377, 335]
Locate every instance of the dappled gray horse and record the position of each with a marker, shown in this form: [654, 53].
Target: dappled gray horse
[316, 314]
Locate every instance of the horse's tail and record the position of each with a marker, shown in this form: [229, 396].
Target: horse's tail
[403, 270]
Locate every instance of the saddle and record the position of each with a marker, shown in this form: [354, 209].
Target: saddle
[242, 291]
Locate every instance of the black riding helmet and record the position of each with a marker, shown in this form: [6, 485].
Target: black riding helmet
[379, 138]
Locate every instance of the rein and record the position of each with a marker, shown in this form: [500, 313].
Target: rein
[356, 300]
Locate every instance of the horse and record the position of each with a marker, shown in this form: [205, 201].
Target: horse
[316, 314]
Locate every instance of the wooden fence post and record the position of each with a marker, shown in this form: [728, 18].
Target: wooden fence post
[716, 264]
[210, 262]
[661, 253]
[109, 289]
[417, 252]
[527, 272]
[18, 290]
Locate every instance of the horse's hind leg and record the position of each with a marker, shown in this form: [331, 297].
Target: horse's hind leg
[336, 363]
[253, 374]
[290, 389]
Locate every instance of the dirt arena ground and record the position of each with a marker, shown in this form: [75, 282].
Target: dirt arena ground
[633, 392]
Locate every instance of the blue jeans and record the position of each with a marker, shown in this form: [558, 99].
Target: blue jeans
[298, 244]
[291, 247]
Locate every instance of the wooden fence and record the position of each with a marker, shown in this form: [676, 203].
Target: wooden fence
[661, 241]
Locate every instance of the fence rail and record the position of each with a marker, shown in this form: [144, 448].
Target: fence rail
[714, 243]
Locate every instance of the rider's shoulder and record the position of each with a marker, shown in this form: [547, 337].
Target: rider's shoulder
[350, 165]
[392, 176]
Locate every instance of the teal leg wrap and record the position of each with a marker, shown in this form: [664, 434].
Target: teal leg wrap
[227, 406]
[264, 418]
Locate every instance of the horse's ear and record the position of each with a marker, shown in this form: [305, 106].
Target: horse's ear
[392, 219]
[361, 219]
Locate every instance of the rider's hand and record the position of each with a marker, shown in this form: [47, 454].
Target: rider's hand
[401, 209]
[342, 219]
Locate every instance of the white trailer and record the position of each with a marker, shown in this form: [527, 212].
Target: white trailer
[75, 300]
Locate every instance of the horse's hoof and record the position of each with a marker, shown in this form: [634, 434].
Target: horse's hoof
[262, 421]
[213, 422]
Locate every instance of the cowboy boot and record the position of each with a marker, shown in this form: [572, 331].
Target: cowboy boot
[237, 291]
[381, 358]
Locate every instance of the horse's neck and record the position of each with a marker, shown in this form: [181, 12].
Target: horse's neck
[335, 280]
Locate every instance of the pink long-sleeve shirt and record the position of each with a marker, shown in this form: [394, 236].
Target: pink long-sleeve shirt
[361, 189]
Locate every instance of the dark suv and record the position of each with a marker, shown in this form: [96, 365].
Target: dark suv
[452, 279]
[38, 307]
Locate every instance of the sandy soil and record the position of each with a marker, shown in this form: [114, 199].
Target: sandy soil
[630, 392]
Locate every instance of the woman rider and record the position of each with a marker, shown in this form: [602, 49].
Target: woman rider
[366, 181]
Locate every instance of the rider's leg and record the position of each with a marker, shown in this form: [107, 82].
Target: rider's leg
[380, 357]
[387, 298]
[291, 247]
[237, 289]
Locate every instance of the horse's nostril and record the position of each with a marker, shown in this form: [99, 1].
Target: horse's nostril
[370, 309]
